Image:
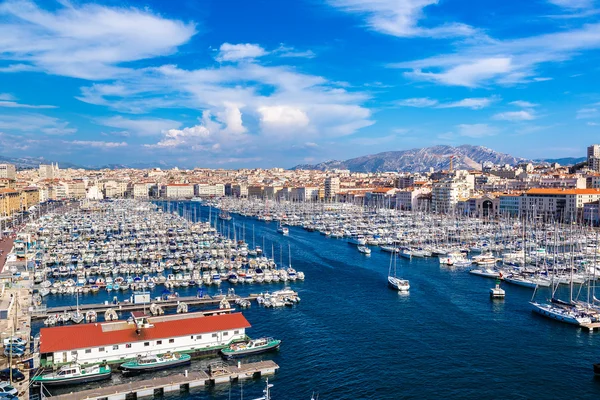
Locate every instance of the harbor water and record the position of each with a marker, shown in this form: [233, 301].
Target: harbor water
[351, 337]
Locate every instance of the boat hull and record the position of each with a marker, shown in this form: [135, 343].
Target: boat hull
[156, 367]
[249, 352]
[73, 381]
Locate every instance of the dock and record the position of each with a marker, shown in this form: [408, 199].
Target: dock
[591, 327]
[43, 313]
[216, 374]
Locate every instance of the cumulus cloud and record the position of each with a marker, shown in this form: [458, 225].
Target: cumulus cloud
[522, 115]
[573, 4]
[400, 17]
[85, 41]
[237, 52]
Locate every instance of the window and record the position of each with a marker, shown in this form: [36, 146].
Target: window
[73, 353]
[236, 332]
[225, 333]
[128, 346]
[101, 349]
[198, 337]
[171, 340]
[116, 347]
[159, 342]
[214, 335]
[88, 351]
[146, 344]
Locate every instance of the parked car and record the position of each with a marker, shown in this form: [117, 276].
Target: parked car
[5, 387]
[17, 376]
[15, 341]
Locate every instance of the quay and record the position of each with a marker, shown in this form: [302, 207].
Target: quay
[591, 327]
[217, 373]
[42, 313]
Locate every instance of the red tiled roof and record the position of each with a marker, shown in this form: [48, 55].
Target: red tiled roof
[66, 338]
[563, 191]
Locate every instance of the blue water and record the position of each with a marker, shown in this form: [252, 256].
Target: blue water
[353, 338]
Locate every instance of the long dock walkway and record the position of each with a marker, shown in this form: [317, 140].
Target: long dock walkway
[217, 373]
[128, 307]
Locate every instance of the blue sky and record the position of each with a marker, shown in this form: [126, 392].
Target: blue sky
[232, 83]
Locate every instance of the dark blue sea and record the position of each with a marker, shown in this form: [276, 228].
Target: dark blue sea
[353, 338]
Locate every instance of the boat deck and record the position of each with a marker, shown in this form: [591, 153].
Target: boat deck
[592, 326]
[175, 383]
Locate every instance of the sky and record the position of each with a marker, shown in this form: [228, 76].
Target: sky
[271, 83]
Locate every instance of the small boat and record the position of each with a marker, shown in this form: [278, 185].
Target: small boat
[255, 346]
[72, 374]
[364, 250]
[155, 362]
[497, 292]
[597, 369]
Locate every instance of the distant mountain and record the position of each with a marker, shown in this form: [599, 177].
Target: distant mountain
[565, 161]
[421, 160]
[34, 162]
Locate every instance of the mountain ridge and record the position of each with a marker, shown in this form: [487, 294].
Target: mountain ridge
[421, 160]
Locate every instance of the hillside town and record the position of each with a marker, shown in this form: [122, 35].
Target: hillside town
[548, 191]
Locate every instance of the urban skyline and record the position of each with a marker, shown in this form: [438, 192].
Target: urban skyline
[237, 85]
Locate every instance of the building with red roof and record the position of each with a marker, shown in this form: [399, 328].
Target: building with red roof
[114, 342]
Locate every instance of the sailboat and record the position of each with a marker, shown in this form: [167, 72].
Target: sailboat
[394, 282]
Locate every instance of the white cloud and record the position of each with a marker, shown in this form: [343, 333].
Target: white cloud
[523, 104]
[237, 52]
[96, 144]
[282, 117]
[593, 124]
[467, 74]
[417, 102]
[472, 103]
[475, 103]
[85, 41]
[290, 52]
[152, 126]
[587, 113]
[505, 62]
[400, 17]
[38, 123]
[573, 4]
[515, 116]
[7, 97]
[476, 130]
[14, 104]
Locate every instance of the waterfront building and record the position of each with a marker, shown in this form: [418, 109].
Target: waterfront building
[239, 190]
[30, 196]
[209, 190]
[179, 191]
[509, 205]
[141, 190]
[115, 342]
[255, 192]
[591, 213]
[559, 204]
[8, 171]
[10, 202]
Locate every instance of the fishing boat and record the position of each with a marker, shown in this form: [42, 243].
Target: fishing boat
[72, 374]
[155, 362]
[255, 346]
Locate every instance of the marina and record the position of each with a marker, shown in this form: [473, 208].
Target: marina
[325, 259]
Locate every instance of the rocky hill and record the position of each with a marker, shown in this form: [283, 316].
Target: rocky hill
[421, 160]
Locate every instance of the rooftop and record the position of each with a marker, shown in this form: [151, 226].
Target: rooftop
[67, 338]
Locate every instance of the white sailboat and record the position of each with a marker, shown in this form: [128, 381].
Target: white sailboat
[394, 282]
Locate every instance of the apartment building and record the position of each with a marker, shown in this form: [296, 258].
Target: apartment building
[8, 171]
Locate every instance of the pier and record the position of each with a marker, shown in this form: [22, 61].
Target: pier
[43, 313]
[217, 373]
